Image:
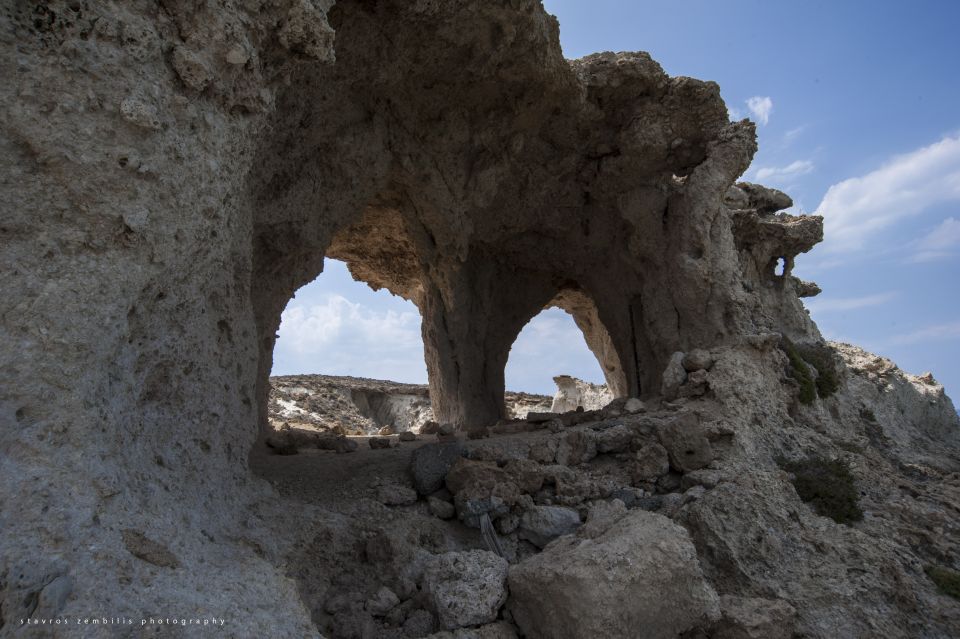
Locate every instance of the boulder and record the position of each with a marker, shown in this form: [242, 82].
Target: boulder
[686, 443]
[673, 376]
[751, 618]
[465, 588]
[652, 461]
[697, 359]
[382, 602]
[379, 442]
[441, 509]
[542, 524]
[481, 488]
[616, 439]
[577, 447]
[430, 463]
[641, 577]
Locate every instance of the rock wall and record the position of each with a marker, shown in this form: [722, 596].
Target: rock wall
[173, 171]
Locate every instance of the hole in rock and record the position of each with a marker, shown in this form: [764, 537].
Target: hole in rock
[551, 353]
[348, 359]
[780, 267]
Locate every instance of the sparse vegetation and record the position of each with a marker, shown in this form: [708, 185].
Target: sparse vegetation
[948, 581]
[799, 371]
[815, 357]
[821, 358]
[827, 485]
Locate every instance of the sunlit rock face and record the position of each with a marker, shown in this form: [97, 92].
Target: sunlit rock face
[172, 172]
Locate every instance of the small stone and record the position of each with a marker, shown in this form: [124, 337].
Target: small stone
[379, 443]
[697, 359]
[394, 495]
[694, 494]
[536, 418]
[686, 443]
[140, 113]
[237, 55]
[600, 516]
[652, 461]
[407, 436]
[628, 495]
[150, 551]
[508, 524]
[673, 376]
[542, 524]
[191, 68]
[429, 428]
[382, 602]
[704, 477]
[344, 445]
[440, 508]
[670, 482]
[419, 623]
[386, 431]
[670, 504]
[447, 429]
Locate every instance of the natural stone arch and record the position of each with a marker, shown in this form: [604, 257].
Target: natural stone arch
[584, 312]
[146, 269]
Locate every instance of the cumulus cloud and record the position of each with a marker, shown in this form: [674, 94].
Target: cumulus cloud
[551, 344]
[342, 337]
[939, 243]
[858, 207]
[937, 332]
[779, 174]
[760, 107]
[828, 305]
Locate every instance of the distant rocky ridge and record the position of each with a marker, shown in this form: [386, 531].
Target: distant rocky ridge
[361, 406]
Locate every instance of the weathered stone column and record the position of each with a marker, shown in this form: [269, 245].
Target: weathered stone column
[470, 320]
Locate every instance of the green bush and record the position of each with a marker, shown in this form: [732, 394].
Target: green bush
[798, 370]
[827, 485]
[948, 581]
[818, 357]
[821, 358]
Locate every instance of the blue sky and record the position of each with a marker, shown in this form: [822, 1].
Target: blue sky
[858, 112]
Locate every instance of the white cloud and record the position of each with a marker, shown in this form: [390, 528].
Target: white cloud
[550, 344]
[950, 330]
[827, 305]
[938, 243]
[792, 170]
[905, 186]
[793, 134]
[341, 337]
[760, 107]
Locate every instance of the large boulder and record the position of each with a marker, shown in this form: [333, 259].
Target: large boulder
[542, 524]
[640, 578]
[466, 588]
[481, 488]
[686, 443]
[429, 465]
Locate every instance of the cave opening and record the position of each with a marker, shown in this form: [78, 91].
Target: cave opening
[551, 354]
[348, 359]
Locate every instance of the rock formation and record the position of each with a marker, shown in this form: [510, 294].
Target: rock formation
[172, 172]
[573, 393]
